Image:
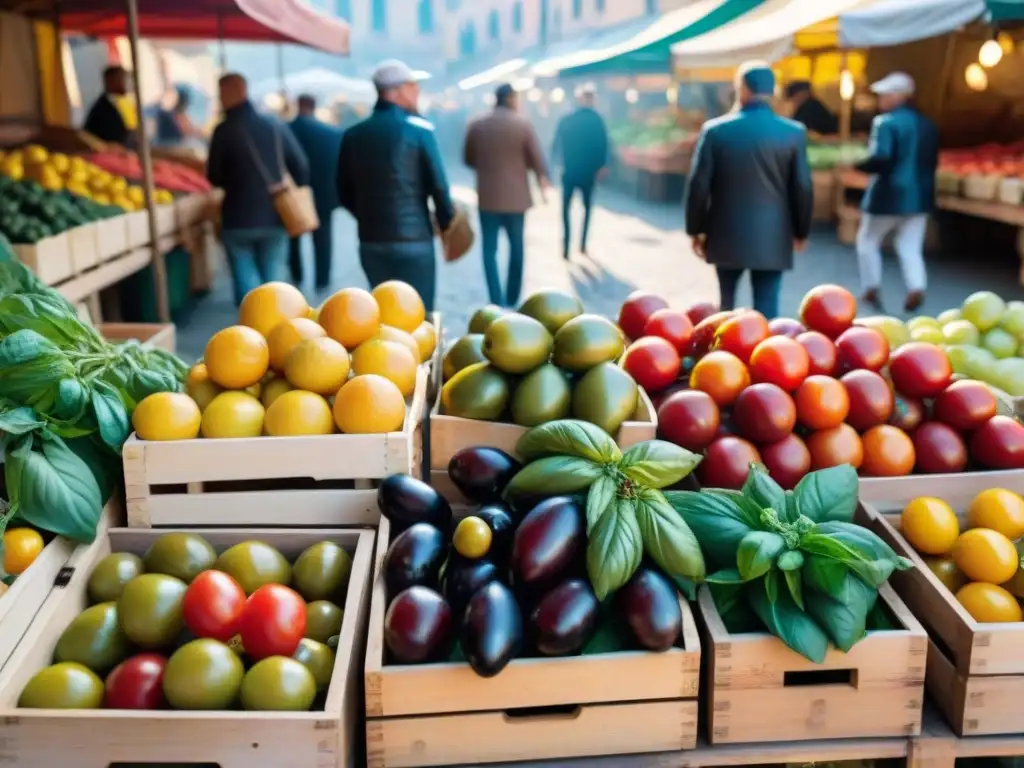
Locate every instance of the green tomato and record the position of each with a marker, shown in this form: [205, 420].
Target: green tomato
[323, 620]
[279, 684]
[67, 685]
[203, 674]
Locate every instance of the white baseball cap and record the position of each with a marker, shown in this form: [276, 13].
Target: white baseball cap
[393, 73]
[893, 83]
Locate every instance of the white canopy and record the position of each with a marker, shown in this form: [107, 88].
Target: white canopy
[319, 81]
[892, 22]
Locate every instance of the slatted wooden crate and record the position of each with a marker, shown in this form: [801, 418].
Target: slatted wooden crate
[84, 245]
[893, 493]
[111, 237]
[544, 708]
[39, 738]
[49, 259]
[161, 335]
[269, 481]
[136, 229]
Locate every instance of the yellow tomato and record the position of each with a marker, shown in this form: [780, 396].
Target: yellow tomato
[998, 509]
[930, 525]
[989, 603]
[21, 547]
[985, 555]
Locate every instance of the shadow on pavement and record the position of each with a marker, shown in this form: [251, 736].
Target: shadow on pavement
[596, 286]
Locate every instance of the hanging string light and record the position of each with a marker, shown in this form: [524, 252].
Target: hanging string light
[976, 78]
[847, 85]
[991, 53]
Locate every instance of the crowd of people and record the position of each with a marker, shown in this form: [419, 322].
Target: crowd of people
[748, 201]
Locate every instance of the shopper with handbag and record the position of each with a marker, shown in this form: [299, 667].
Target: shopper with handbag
[263, 171]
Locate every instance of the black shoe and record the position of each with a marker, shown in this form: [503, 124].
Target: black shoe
[872, 297]
[913, 301]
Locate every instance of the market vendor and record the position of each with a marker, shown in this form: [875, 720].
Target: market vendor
[105, 121]
[809, 110]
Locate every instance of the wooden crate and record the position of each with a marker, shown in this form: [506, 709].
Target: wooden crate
[50, 258]
[269, 481]
[231, 739]
[166, 219]
[891, 494]
[136, 229]
[449, 434]
[160, 335]
[111, 237]
[759, 690]
[445, 714]
[84, 246]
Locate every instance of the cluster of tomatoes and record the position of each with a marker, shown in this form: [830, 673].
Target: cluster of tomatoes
[807, 394]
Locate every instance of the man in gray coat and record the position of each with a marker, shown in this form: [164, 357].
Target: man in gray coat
[749, 198]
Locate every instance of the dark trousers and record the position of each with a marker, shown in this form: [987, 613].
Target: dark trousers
[490, 224]
[412, 263]
[766, 284]
[569, 187]
[323, 250]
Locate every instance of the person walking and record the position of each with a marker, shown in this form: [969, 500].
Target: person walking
[809, 110]
[322, 142]
[903, 157]
[388, 169]
[503, 148]
[749, 196]
[173, 126]
[582, 146]
[245, 150]
[105, 120]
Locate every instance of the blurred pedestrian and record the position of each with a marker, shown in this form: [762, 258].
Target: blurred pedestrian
[809, 110]
[503, 149]
[250, 155]
[582, 147]
[389, 168]
[105, 120]
[322, 144]
[749, 197]
[173, 126]
[904, 155]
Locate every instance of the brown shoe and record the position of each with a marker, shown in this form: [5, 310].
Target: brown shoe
[913, 301]
[871, 297]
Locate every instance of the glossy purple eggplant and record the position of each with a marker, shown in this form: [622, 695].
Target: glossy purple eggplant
[565, 619]
[418, 626]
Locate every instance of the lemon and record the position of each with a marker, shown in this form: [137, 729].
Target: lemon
[369, 405]
[390, 333]
[264, 307]
[233, 414]
[317, 365]
[930, 525]
[237, 357]
[299, 413]
[426, 340]
[200, 386]
[287, 334]
[273, 389]
[389, 359]
[167, 416]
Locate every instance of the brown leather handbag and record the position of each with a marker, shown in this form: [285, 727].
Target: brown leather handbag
[295, 205]
[459, 237]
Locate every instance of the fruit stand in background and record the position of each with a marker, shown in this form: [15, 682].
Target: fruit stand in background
[653, 156]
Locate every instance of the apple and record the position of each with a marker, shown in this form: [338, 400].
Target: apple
[700, 310]
[949, 316]
[999, 342]
[895, 332]
[1013, 318]
[984, 308]
[961, 332]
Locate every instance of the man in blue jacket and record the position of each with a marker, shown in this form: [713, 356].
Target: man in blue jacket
[904, 154]
[389, 169]
[750, 197]
[322, 144]
[249, 154]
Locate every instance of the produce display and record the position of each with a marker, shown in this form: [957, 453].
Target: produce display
[825, 157]
[66, 400]
[545, 362]
[818, 392]
[167, 174]
[29, 213]
[980, 562]
[578, 551]
[184, 627]
[657, 132]
[988, 172]
[287, 369]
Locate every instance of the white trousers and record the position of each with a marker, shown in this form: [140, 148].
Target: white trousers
[909, 242]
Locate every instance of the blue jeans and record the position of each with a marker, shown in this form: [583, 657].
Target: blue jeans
[569, 187]
[411, 262]
[766, 285]
[255, 256]
[490, 224]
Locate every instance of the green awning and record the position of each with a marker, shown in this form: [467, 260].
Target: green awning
[1006, 10]
[651, 49]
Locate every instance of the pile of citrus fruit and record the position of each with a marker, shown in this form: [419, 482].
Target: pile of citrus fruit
[287, 369]
[981, 563]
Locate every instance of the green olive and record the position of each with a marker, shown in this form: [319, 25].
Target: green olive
[67, 685]
[111, 574]
[181, 555]
[323, 620]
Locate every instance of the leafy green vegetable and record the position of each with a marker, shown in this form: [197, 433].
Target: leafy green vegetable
[614, 548]
[601, 494]
[845, 620]
[757, 552]
[828, 494]
[569, 437]
[666, 537]
[764, 491]
[554, 475]
[784, 619]
[718, 523]
[111, 416]
[824, 575]
[658, 464]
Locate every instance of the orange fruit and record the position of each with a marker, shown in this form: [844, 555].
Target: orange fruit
[237, 357]
[287, 334]
[233, 414]
[167, 416]
[317, 365]
[426, 340]
[986, 555]
[400, 305]
[888, 452]
[369, 404]
[390, 333]
[989, 603]
[998, 509]
[722, 375]
[21, 547]
[350, 317]
[264, 307]
[200, 387]
[388, 359]
[930, 525]
[299, 413]
[273, 389]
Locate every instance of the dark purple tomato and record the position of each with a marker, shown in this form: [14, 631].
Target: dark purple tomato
[939, 449]
[503, 529]
[650, 605]
[415, 557]
[727, 463]
[764, 413]
[565, 619]
[920, 369]
[787, 461]
[463, 578]
[492, 629]
[871, 400]
[548, 543]
[404, 501]
[482, 473]
[418, 626]
[689, 419]
[999, 444]
[965, 405]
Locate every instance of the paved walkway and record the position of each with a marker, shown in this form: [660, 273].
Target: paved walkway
[642, 245]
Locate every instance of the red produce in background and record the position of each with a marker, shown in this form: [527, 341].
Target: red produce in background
[829, 309]
[781, 361]
[704, 332]
[740, 334]
[673, 326]
[658, 398]
[999, 444]
[652, 362]
[700, 310]
[786, 326]
[821, 402]
[888, 452]
[722, 375]
[689, 419]
[907, 413]
[859, 347]
[920, 369]
[940, 449]
[787, 461]
[820, 351]
[871, 400]
[832, 447]
[166, 173]
[637, 310]
[965, 405]
[727, 463]
[764, 413]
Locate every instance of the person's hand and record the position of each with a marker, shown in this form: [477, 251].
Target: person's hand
[799, 245]
[700, 246]
[545, 187]
[602, 174]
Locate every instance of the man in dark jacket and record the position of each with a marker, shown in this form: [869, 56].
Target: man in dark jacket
[809, 110]
[390, 167]
[104, 120]
[582, 146]
[904, 153]
[322, 144]
[749, 198]
[249, 154]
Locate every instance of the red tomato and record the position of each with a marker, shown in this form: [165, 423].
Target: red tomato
[871, 400]
[822, 403]
[700, 310]
[786, 326]
[212, 606]
[273, 622]
[907, 413]
[658, 398]
[136, 683]
[832, 447]
[888, 452]
[689, 419]
[637, 310]
[704, 332]
[673, 326]
[920, 369]
[965, 405]
[940, 449]
[780, 361]
[859, 347]
[821, 352]
[722, 375]
[829, 309]
[727, 463]
[764, 413]
[740, 334]
[787, 461]
[999, 444]
[652, 362]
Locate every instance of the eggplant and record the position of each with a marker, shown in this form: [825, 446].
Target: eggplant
[415, 558]
[503, 529]
[548, 544]
[649, 604]
[418, 626]
[482, 473]
[565, 619]
[405, 501]
[463, 578]
[492, 629]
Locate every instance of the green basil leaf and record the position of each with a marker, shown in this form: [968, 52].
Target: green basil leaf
[718, 522]
[879, 620]
[757, 552]
[48, 317]
[726, 595]
[31, 369]
[614, 548]
[73, 398]
[601, 494]
[667, 539]
[143, 383]
[845, 620]
[828, 546]
[554, 475]
[824, 574]
[792, 508]
[658, 464]
[771, 585]
[17, 450]
[750, 508]
[872, 561]
[795, 586]
[829, 494]
[111, 417]
[784, 619]
[20, 421]
[764, 491]
[611, 635]
[726, 576]
[105, 466]
[790, 560]
[569, 437]
[865, 541]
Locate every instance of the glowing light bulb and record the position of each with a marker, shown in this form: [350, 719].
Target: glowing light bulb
[632, 96]
[1005, 40]
[535, 94]
[991, 53]
[847, 85]
[557, 95]
[976, 78]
